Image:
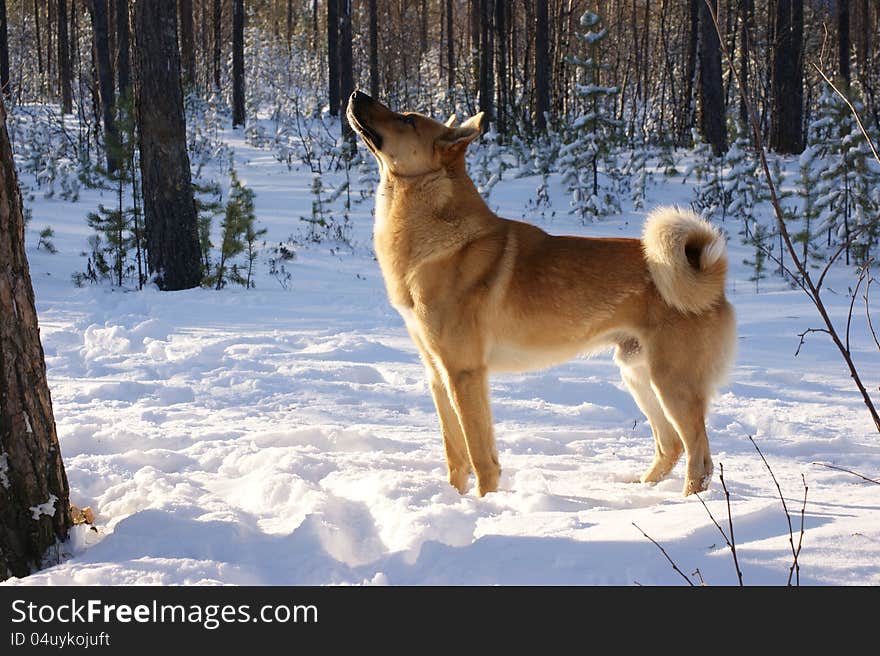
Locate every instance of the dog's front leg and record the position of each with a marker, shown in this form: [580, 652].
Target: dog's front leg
[469, 392]
[457, 458]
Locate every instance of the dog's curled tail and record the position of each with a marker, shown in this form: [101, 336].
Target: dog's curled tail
[687, 258]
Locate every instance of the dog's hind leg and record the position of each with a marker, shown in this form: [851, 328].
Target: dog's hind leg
[684, 403]
[469, 391]
[667, 444]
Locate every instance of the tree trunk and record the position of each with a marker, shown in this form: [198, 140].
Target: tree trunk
[747, 26]
[39, 44]
[288, 34]
[105, 83]
[218, 39]
[166, 181]
[486, 92]
[711, 90]
[542, 65]
[346, 64]
[64, 73]
[238, 63]
[374, 50]
[450, 49]
[123, 61]
[787, 93]
[501, 28]
[34, 495]
[333, 55]
[423, 29]
[4, 51]
[843, 42]
[690, 72]
[187, 43]
[474, 6]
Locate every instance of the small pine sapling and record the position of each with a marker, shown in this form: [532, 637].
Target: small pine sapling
[45, 242]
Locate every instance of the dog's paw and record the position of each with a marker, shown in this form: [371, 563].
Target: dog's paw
[488, 482]
[458, 478]
[658, 470]
[694, 485]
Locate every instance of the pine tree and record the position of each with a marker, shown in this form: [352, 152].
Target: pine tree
[760, 239]
[807, 235]
[239, 236]
[589, 146]
[708, 168]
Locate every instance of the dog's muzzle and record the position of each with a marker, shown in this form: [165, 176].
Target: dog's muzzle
[359, 104]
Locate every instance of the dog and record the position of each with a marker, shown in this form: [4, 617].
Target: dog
[481, 294]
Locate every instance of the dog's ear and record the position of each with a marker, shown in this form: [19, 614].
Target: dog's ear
[451, 121]
[456, 139]
[475, 122]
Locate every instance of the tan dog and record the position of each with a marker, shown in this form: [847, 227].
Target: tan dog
[480, 293]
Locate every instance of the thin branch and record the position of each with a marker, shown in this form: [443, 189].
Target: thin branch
[671, 562]
[868, 313]
[852, 301]
[794, 552]
[848, 471]
[731, 543]
[852, 109]
[854, 234]
[803, 336]
[812, 291]
[795, 565]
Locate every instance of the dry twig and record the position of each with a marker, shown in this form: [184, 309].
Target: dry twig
[671, 562]
[848, 471]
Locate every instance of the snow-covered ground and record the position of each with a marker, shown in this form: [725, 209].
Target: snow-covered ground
[273, 436]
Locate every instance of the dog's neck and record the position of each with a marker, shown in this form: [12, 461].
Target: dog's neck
[444, 194]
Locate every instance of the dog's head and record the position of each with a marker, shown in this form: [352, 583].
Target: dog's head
[409, 144]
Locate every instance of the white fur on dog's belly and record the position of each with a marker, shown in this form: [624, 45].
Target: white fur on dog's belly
[514, 358]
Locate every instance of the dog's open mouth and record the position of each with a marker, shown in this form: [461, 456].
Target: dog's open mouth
[372, 138]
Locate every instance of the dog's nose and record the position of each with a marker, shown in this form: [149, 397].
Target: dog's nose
[359, 96]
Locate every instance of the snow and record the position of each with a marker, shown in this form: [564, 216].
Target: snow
[273, 436]
[45, 508]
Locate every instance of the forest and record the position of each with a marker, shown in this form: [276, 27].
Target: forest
[201, 147]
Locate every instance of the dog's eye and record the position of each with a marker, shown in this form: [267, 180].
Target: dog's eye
[409, 119]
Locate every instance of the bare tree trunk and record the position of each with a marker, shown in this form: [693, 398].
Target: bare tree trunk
[187, 43]
[542, 65]
[105, 83]
[786, 122]
[166, 181]
[374, 50]
[710, 85]
[34, 494]
[123, 58]
[690, 71]
[64, 73]
[450, 49]
[238, 113]
[346, 64]
[4, 51]
[501, 28]
[423, 28]
[39, 45]
[288, 34]
[218, 39]
[486, 91]
[843, 42]
[747, 27]
[474, 9]
[333, 56]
